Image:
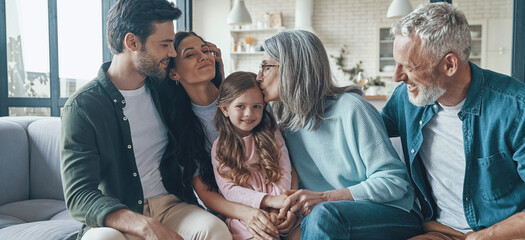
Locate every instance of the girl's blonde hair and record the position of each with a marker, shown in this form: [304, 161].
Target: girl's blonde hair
[230, 146]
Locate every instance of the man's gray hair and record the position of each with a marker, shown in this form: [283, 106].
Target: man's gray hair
[305, 78]
[441, 27]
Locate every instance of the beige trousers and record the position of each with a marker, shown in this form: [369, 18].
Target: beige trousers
[188, 220]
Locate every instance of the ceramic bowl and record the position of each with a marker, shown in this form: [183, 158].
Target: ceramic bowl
[389, 68]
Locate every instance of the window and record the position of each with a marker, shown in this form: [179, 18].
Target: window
[27, 37]
[51, 48]
[80, 48]
[40, 73]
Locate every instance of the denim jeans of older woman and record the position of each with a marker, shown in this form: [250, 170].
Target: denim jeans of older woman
[359, 220]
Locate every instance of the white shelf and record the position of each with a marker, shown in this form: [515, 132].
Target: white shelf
[256, 30]
[242, 60]
[247, 53]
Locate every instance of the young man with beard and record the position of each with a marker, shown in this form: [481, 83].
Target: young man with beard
[462, 129]
[119, 174]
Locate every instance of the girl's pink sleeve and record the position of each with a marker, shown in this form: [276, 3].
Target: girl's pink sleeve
[230, 190]
[285, 182]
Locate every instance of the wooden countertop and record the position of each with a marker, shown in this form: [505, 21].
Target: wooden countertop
[376, 98]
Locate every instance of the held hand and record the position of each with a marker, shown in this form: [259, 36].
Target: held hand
[259, 224]
[218, 57]
[301, 202]
[276, 202]
[286, 205]
[288, 224]
[273, 217]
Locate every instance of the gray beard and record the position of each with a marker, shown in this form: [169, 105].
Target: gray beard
[426, 95]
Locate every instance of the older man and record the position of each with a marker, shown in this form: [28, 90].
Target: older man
[462, 129]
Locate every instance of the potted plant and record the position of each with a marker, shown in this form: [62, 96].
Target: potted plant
[356, 73]
[373, 85]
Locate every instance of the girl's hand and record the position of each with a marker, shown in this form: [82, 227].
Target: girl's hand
[276, 202]
[259, 225]
[301, 202]
[217, 53]
[273, 217]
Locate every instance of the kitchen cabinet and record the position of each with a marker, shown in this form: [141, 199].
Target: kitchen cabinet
[499, 45]
[478, 34]
[385, 55]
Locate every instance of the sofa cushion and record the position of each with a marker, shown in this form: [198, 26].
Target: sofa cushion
[44, 145]
[23, 121]
[8, 220]
[14, 162]
[33, 210]
[53, 229]
[64, 215]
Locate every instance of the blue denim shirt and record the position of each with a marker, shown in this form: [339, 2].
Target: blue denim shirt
[493, 119]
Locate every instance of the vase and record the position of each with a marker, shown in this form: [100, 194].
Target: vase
[372, 90]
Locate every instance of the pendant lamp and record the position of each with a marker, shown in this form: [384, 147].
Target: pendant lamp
[399, 8]
[239, 15]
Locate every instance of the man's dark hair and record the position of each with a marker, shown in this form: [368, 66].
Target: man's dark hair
[137, 17]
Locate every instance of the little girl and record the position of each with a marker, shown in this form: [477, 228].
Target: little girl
[250, 159]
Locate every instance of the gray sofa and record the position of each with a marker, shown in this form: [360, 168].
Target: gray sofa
[31, 199]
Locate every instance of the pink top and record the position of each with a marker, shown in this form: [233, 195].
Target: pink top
[256, 190]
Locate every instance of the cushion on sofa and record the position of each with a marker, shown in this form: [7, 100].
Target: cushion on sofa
[63, 215]
[53, 229]
[23, 121]
[44, 150]
[8, 220]
[33, 210]
[14, 162]
[31, 197]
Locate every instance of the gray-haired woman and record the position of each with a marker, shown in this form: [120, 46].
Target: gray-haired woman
[353, 183]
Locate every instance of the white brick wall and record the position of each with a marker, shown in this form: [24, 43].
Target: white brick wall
[355, 22]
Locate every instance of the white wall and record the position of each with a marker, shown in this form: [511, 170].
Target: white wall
[209, 21]
[336, 22]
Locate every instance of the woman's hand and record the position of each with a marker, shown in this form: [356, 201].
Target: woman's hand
[301, 202]
[218, 57]
[274, 213]
[288, 224]
[259, 224]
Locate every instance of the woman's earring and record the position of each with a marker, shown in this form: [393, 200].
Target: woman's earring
[174, 77]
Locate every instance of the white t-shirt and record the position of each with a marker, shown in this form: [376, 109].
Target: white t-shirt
[443, 156]
[149, 137]
[205, 115]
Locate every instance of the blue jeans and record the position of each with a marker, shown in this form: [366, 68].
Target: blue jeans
[359, 220]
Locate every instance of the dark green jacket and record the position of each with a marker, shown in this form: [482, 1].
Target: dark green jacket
[99, 172]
